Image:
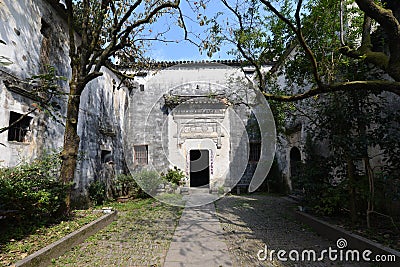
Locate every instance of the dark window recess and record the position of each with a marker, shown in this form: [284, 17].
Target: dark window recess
[106, 156]
[141, 154]
[141, 87]
[20, 128]
[255, 151]
[249, 72]
[45, 29]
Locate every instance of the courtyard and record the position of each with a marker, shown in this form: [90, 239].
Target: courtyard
[148, 234]
[223, 133]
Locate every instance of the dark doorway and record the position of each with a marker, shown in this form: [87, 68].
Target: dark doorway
[295, 161]
[199, 168]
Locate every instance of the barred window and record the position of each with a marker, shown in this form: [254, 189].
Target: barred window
[255, 151]
[20, 128]
[141, 154]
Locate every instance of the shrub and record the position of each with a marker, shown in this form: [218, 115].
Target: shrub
[126, 185]
[174, 175]
[97, 192]
[33, 189]
[320, 191]
[149, 181]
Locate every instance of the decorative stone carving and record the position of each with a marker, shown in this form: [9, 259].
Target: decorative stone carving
[198, 118]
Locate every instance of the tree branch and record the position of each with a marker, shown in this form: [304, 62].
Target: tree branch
[372, 85]
[364, 52]
[118, 72]
[239, 46]
[123, 35]
[391, 26]
[299, 35]
[3, 129]
[383, 16]
[91, 76]
[71, 32]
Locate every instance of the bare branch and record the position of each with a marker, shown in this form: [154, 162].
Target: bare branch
[92, 76]
[261, 83]
[123, 35]
[118, 72]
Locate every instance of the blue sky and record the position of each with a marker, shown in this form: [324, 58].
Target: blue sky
[184, 50]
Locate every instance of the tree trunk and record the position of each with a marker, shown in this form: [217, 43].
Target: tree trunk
[71, 140]
[352, 190]
[371, 196]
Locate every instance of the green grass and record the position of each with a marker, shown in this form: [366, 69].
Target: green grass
[139, 237]
[18, 240]
[146, 222]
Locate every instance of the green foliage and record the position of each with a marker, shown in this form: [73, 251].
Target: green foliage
[5, 61]
[352, 124]
[174, 175]
[97, 192]
[126, 185]
[330, 201]
[46, 85]
[33, 189]
[321, 192]
[149, 181]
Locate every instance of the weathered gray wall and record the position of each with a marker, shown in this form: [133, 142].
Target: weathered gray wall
[148, 118]
[33, 36]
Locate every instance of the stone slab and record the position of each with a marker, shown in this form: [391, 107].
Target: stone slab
[198, 240]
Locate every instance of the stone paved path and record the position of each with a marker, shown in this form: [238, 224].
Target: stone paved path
[252, 221]
[198, 239]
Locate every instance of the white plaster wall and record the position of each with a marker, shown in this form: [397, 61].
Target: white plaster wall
[149, 126]
[12, 153]
[21, 42]
[25, 47]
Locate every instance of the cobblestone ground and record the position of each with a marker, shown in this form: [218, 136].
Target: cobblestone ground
[253, 221]
[139, 237]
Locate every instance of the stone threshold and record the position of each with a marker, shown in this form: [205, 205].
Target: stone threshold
[44, 256]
